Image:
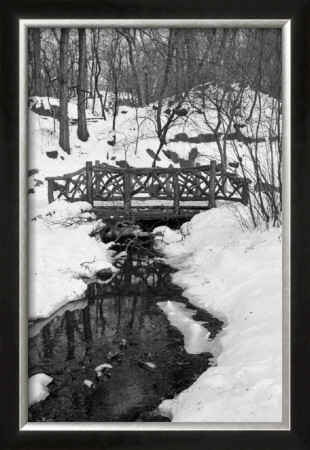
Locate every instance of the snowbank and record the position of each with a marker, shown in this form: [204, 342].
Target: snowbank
[38, 388]
[61, 251]
[237, 274]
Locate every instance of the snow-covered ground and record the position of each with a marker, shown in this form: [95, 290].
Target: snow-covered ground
[61, 252]
[233, 273]
[137, 141]
[236, 275]
[56, 249]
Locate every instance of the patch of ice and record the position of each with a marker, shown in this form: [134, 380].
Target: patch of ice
[103, 366]
[195, 335]
[36, 327]
[151, 365]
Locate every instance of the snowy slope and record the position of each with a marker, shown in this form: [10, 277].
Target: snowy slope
[236, 275]
[62, 251]
[136, 136]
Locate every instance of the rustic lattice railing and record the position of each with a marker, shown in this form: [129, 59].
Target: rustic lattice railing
[99, 183]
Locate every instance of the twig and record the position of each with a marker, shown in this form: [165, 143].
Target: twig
[88, 262]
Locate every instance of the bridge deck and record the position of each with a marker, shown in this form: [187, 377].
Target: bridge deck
[147, 214]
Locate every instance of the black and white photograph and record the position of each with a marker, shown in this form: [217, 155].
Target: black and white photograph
[155, 173]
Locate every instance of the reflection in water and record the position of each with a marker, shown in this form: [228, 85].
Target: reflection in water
[70, 346]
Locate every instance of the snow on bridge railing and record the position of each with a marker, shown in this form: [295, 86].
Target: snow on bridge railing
[104, 183]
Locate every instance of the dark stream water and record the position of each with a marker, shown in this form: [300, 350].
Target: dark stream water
[71, 345]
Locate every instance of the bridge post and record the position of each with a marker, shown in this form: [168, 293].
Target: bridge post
[212, 184]
[89, 182]
[176, 194]
[50, 191]
[97, 180]
[127, 189]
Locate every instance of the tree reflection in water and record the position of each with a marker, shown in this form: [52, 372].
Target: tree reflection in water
[69, 347]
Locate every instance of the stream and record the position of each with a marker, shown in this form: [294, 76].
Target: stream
[119, 323]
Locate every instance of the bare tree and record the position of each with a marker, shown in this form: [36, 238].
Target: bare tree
[162, 129]
[37, 61]
[134, 64]
[64, 91]
[82, 131]
[50, 44]
[191, 57]
[96, 69]
[180, 77]
[215, 78]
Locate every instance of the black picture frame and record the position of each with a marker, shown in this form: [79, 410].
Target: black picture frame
[299, 13]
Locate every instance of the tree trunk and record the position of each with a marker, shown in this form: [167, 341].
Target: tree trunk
[93, 68]
[64, 91]
[105, 98]
[162, 130]
[98, 71]
[37, 61]
[179, 63]
[115, 100]
[192, 66]
[82, 131]
[30, 64]
[135, 74]
[170, 50]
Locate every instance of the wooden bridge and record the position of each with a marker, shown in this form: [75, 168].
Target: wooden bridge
[149, 192]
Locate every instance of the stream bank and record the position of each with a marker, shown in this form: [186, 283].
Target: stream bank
[122, 324]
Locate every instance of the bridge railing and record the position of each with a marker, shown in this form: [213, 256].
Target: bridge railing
[102, 183]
